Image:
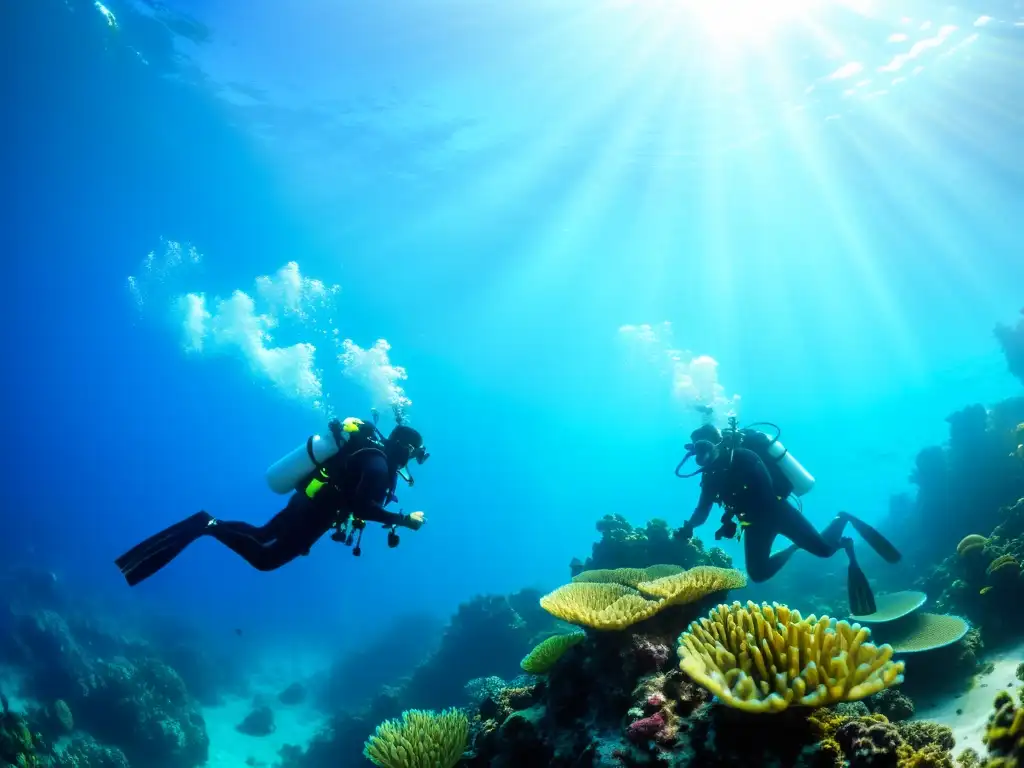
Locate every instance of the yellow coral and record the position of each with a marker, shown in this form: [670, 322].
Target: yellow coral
[767, 658]
[627, 576]
[694, 584]
[1005, 565]
[420, 739]
[546, 653]
[973, 543]
[1004, 735]
[598, 605]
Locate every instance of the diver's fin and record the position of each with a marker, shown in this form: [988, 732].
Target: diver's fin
[862, 599]
[874, 539]
[145, 559]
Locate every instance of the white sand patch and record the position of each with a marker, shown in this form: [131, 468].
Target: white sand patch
[967, 714]
[230, 749]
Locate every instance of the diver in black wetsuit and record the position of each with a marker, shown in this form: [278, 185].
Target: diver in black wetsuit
[346, 489]
[739, 479]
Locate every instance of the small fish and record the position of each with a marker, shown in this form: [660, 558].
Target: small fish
[238, 631]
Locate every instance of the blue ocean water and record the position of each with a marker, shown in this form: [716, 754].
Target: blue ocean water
[516, 198]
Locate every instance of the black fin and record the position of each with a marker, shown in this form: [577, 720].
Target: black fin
[875, 540]
[145, 559]
[862, 599]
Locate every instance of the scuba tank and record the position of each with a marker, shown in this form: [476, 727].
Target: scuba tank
[285, 474]
[793, 470]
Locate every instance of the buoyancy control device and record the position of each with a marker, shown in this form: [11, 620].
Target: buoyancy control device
[782, 465]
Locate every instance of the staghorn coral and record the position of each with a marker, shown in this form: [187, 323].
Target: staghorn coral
[599, 606]
[693, 585]
[767, 658]
[547, 653]
[420, 739]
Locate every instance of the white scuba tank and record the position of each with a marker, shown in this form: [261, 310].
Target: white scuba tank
[285, 473]
[794, 471]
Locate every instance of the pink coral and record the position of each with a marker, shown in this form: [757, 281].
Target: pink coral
[646, 728]
[656, 700]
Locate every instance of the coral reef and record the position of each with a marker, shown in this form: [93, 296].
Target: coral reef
[623, 546]
[107, 685]
[975, 471]
[619, 699]
[488, 636]
[984, 576]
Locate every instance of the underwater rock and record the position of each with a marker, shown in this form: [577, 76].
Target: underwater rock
[293, 694]
[85, 752]
[144, 708]
[259, 722]
[1011, 339]
[893, 704]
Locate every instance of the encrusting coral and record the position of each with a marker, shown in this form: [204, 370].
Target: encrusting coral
[767, 658]
[548, 652]
[420, 739]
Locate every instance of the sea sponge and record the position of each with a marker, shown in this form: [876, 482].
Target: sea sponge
[765, 658]
[420, 739]
[694, 584]
[971, 544]
[545, 654]
[599, 606]
[630, 577]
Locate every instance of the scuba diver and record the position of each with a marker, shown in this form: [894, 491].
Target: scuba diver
[753, 477]
[339, 482]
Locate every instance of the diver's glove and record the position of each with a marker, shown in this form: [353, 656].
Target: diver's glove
[686, 532]
[414, 521]
[727, 531]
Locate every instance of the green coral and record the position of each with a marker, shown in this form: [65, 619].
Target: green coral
[419, 739]
[544, 656]
[19, 746]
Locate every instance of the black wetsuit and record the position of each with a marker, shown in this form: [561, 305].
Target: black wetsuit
[744, 487]
[360, 485]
